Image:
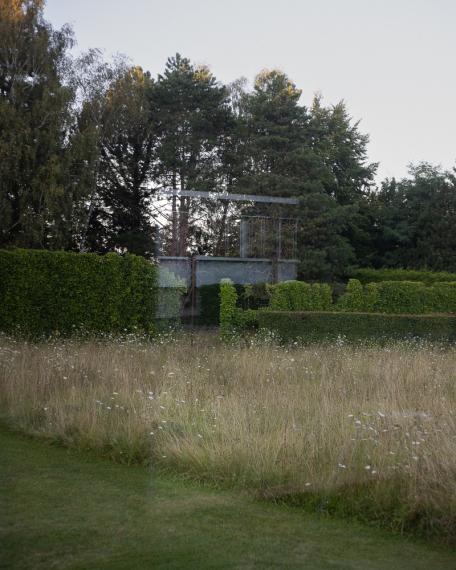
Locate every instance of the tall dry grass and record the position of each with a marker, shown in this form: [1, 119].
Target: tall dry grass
[364, 431]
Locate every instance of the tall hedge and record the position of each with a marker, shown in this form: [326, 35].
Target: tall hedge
[249, 297]
[44, 292]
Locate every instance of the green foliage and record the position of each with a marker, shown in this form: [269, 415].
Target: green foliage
[330, 326]
[249, 297]
[368, 275]
[353, 299]
[209, 304]
[410, 297]
[256, 296]
[45, 292]
[228, 309]
[415, 220]
[300, 296]
[35, 117]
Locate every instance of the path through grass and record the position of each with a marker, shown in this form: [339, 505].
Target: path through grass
[67, 510]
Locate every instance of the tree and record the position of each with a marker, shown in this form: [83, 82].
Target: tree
[416, 218]
[35, 197]
[91, 78]
[191, 114]
[317, 155]
[128, 149]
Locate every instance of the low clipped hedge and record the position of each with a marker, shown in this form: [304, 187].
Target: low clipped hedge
[48, 292]
[376, 275]
[330, 326]
[399, 297]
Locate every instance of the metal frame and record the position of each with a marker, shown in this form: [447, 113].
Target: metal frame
[227, 196]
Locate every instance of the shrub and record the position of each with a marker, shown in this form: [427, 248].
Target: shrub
[209, 303]
[399, 297]
[327, 326]
[256, 296]
[228, 309]
[44, 292]
[300, 296]
[353, 299]
[368, 275]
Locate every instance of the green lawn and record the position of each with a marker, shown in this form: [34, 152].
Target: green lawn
[62, 509]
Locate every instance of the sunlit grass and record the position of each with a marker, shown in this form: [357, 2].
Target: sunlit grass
[362, 431]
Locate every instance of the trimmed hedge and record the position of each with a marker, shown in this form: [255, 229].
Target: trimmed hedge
[376, 275]
[399, 297]
[300, 296]
[47, 292]
[329, 326]
[249, 297]
[228, 309]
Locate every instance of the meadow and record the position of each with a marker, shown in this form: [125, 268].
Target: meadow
[360, 431]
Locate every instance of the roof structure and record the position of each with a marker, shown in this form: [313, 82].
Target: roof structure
[227, 196]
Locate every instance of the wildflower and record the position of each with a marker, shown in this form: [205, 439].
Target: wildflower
[381, 414]
[342, 466]
[367, 467]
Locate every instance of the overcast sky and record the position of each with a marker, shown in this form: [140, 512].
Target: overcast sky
[392, 61]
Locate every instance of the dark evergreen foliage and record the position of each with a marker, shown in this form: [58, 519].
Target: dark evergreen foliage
[85, 145]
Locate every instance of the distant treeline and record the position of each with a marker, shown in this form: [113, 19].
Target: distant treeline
[86, 143]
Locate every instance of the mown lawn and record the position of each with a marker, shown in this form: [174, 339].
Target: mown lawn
[63, 509]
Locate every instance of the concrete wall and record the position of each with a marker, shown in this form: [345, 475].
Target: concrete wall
[180, 266]
[242, 270]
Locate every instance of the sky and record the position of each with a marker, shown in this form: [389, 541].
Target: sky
[391, 61]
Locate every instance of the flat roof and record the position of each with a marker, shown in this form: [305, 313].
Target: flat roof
[227, 196]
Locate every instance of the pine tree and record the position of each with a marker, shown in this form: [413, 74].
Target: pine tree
[191, 114]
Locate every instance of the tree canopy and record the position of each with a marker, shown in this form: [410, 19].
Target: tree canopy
[87, 145]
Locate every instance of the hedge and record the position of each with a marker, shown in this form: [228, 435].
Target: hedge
[376, 275]
[300, 296]
[249, 297]
[329, 326]
[228, 309]
[47, 292]
[399, 297]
